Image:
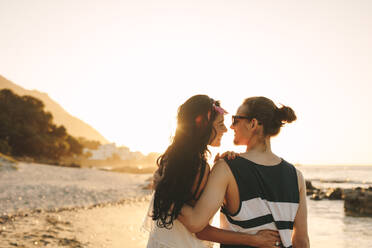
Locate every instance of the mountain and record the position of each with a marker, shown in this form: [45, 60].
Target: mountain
[74, 126]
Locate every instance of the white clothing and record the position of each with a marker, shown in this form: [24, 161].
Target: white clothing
[176, 237]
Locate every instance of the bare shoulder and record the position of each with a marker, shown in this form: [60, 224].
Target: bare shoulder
[221, 172]
[301, 179]
[220, 166]
[299, 174]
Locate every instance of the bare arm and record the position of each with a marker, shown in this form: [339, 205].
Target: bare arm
[300, 237]
[263, 239]
[197, 218]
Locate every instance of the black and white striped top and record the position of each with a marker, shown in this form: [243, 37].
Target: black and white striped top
[269, 199]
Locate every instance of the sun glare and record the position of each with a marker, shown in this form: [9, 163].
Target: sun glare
[124, 70]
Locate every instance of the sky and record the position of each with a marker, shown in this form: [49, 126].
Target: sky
[125, 66]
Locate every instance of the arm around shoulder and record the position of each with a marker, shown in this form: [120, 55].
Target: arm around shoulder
[300, 237]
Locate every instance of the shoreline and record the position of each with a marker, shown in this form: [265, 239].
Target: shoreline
[52, 206]
[4, 219]
[27, 188]
[111, 225]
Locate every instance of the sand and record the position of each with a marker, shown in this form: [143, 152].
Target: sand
[117, 225]
[51, 206]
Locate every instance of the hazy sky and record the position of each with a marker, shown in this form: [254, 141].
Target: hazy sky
[125, 66]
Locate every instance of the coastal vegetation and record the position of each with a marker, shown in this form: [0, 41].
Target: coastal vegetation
[75, 126]
[29, 133]
[27, 130]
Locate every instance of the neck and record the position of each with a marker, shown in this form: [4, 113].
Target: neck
[259, 146]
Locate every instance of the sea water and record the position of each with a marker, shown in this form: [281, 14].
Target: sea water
[328, 225]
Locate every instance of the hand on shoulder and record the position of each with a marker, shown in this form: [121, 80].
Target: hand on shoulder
[228, 154]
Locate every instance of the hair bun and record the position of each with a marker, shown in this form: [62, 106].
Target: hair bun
[286, 114]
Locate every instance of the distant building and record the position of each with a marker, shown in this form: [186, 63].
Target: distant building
[107, 151]
[136, 155]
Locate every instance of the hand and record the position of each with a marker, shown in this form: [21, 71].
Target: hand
[268, 239]
[228, 154]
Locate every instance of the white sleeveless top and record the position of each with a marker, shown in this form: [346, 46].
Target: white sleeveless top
[176, 237]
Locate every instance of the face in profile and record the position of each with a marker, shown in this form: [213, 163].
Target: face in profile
[220, 128]
[239, 127]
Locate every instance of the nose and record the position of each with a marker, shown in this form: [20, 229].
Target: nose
[232, 126]
[224, 129]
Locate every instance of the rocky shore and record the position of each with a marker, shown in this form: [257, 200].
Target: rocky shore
[357, 201]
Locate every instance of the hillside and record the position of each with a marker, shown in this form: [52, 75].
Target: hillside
[74, 126]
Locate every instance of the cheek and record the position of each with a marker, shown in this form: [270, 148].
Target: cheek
[221, 130]
[238, 131]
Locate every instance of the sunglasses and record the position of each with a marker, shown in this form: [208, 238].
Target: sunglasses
[235, 118]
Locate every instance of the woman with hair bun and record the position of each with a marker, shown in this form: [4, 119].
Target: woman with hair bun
[258, 189]
[183, 172]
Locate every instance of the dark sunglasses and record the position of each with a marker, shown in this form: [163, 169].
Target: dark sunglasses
[235, 118]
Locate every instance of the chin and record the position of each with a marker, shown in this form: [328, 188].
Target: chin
[215, 144]
[237, 142]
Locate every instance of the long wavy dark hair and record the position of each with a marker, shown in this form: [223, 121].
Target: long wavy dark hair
[184, 158]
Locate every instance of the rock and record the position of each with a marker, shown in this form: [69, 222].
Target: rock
[310, 189]
[69, 242]
[335, 194]
[74, 165]
[347, 191]
[317, 195]
[4, 219]
[47, 236]
[358, 202]
[44, 242]
[309, 185]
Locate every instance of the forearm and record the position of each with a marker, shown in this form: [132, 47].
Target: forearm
[301, 243]
[217, 235]
[193, 221]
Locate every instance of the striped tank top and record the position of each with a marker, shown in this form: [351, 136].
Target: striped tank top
[269, 199]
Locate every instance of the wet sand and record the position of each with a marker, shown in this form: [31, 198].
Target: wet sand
[117, 225]
[53, 206]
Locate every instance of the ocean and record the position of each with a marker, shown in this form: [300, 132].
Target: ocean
[328, 225]
[45, 187]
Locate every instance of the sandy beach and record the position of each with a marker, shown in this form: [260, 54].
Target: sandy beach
[114, 225]
[50, 206]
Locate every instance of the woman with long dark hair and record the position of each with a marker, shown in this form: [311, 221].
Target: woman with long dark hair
[184, 171]
[258, 189]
